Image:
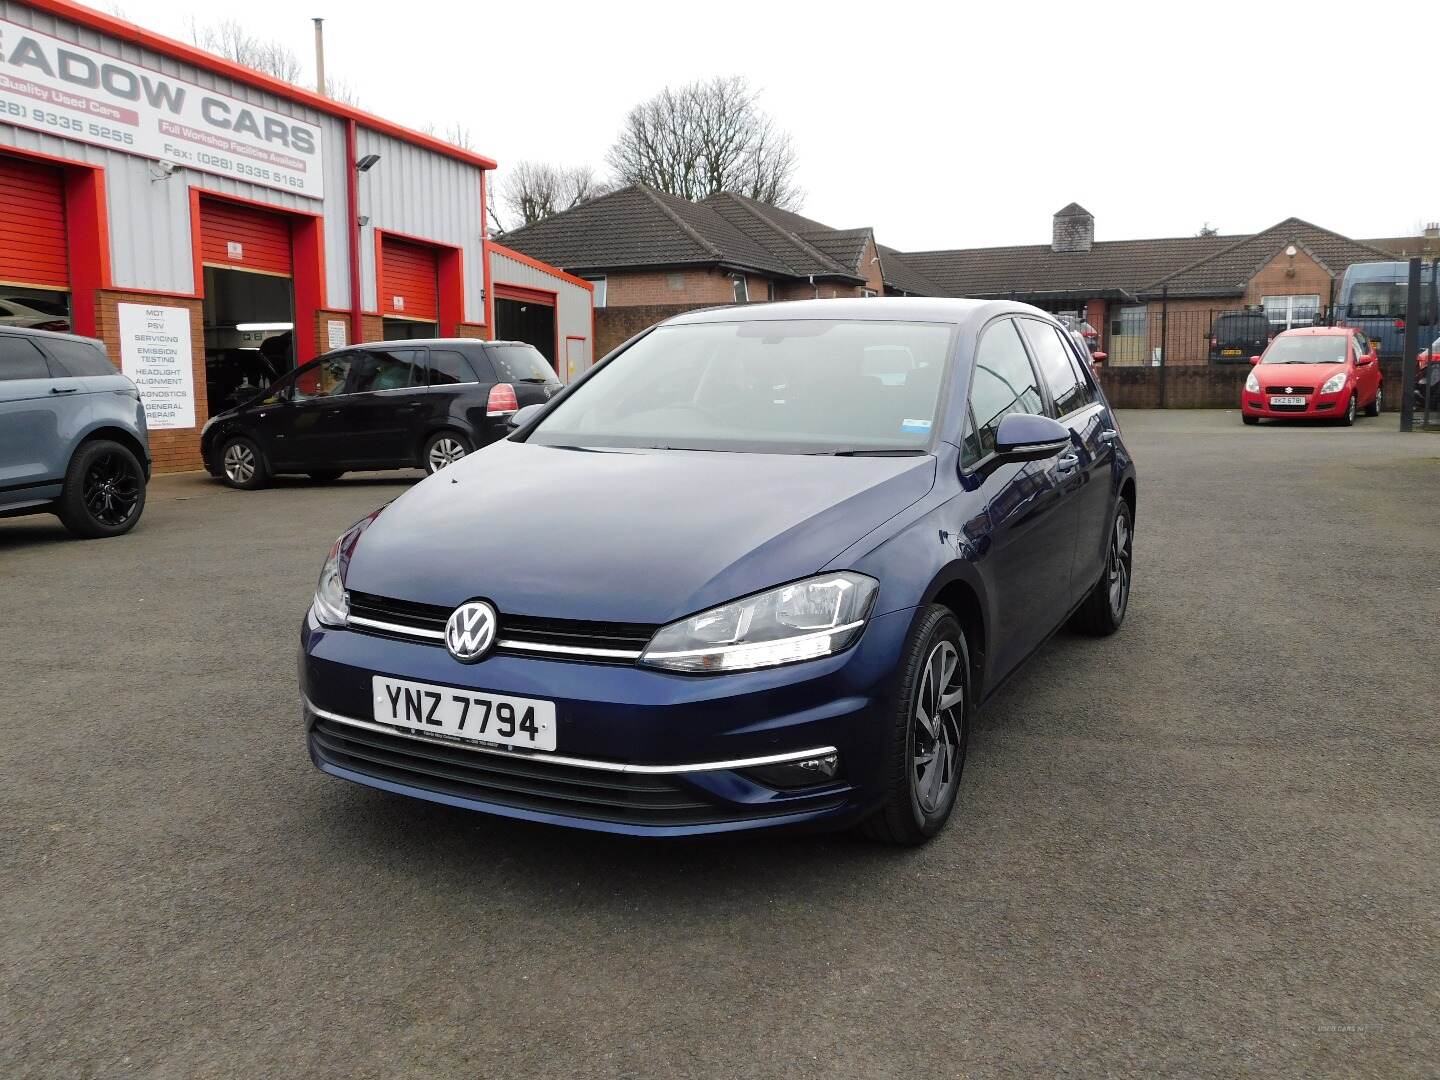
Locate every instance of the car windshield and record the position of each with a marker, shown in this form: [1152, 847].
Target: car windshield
[772, 386]
[520, 363]
[1308, 349]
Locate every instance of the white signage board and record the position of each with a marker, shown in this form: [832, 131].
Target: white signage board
[335, 334]
[155, 354]
[76, 93]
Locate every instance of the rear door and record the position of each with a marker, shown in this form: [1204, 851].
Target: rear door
[34, 422]
[1084, 473]
[383, 409]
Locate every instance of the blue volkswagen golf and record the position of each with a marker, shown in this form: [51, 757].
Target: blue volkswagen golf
[756, 569]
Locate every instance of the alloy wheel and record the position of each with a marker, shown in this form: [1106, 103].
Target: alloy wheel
[939, 711]
[111, 488]
[1118, 568]
[1350, 409]
[239, 463]
[445, 451]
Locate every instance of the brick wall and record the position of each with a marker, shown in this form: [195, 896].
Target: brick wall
[1276, 278]
[171, 450]
[644, 288]
[614, 326]
[1203, 386]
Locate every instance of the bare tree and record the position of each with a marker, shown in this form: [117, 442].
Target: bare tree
[232, 41]
[534, 190]
[1208, 230]
[341, 91]
[707, 137]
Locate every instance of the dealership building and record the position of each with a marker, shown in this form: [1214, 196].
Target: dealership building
[215, 226]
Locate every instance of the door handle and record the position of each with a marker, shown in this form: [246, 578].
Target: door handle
[1068, 462]
[1109, 435]
[63, 390]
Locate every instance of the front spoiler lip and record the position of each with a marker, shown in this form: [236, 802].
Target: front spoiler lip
[580, 763]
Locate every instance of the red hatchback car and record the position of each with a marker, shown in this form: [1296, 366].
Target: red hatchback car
[1314, 373]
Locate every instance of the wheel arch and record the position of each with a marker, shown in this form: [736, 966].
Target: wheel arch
[963, 594]
[120, 435]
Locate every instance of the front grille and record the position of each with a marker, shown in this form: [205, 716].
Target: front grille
[517, 635]
[1286, 408]
[525, 781]
[1290, 389]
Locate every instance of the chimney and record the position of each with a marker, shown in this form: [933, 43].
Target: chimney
[1432, 231]
[1073, 229]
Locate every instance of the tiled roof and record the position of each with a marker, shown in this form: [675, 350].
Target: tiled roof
[1113, 266]
[895, 268]
[639, 226]
[1226, 272]
[759, 221]
[844, 246]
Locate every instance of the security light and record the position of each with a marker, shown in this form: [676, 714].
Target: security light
[1290, 251]
[366, 163]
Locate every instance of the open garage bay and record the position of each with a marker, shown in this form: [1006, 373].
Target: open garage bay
[1203, 847]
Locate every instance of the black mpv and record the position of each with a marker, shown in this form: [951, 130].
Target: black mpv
[384, 405]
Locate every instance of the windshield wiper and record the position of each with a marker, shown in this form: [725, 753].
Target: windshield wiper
[868, 453]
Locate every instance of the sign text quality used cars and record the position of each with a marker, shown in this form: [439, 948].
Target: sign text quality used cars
[76, 93]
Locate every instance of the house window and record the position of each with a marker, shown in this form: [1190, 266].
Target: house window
[599, 283]
[1283, 312]
[742, 290]
[675, 282]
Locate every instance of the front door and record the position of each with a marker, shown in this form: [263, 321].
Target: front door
[31, 444]
[1031, 510]
[383, 408]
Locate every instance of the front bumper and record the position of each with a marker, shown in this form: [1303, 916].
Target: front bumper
[638, 752]
[1316, 407]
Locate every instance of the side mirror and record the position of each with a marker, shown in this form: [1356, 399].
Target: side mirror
[1027, 437]
[1099, 357]
[1364, 360]
[520, 417]
[1254, 360]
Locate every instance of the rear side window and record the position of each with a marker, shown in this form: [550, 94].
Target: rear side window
[20, 359]
[520, 363]
[1241, 328]
[373, 370]
[449, 366]
[1003, 383]
[1067, 387]
[77, 358]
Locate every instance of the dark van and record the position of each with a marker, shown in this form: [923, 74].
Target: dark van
[384, 405]
[1235, 336]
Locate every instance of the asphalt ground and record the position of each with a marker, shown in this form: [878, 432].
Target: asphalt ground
[1207, 846]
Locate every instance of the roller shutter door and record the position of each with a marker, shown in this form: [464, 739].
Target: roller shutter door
[32, 225]
[244, 238]
[410, 280]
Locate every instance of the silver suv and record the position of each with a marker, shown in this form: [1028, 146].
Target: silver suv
[73, 440]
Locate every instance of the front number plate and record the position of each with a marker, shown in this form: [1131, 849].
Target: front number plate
[1287, 401]
[472, 715]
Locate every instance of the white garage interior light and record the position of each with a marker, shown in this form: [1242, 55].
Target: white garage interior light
[254, 327]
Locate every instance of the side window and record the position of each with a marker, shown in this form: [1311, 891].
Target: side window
[76, 359]
[1055, 367]
[324, 378]
[969, 441]
[1084, 377]
[20, 359]
[449, 366]
[383, 369]
[1362, 346]
[1003, 383]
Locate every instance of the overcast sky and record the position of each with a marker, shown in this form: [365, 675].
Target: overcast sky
[941, 124]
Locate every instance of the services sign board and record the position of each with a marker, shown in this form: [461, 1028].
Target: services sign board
[72, 92]
[155, 355]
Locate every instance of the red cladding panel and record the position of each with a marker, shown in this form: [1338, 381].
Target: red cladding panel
[409, 280]
[244, 238]
[32, 225]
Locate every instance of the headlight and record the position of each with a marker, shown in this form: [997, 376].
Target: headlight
[332, 603]
[802, 621]
[331, 606]
[1334, 384]
[1252, 384]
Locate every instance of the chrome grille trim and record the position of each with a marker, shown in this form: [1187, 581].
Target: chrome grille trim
[574, 762]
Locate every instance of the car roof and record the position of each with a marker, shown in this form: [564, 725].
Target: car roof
[870, 308]
[28, 331]
[1316, 331]
[449, 343]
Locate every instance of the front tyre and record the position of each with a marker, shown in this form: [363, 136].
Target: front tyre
[927, 734]
[104, 491]
[443, 449]
[1249, 419]
[1373, 409]
[1104, 609]
[241, 464]
[1348, 419]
